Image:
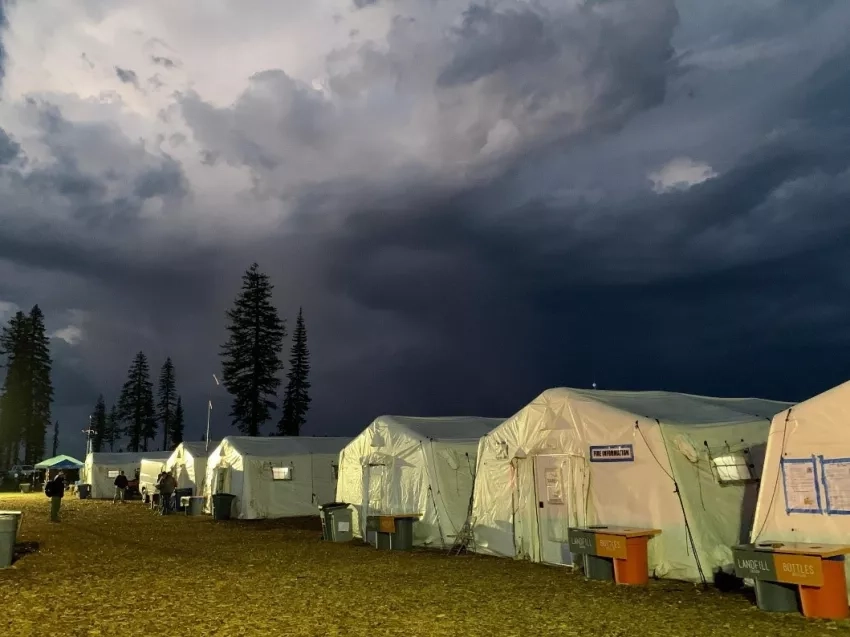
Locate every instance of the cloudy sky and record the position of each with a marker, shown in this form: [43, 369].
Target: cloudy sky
[473, 201]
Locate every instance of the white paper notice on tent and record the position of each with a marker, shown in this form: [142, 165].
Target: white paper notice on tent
[342, 526]
[554, 487]
[799, 478]
[836, 481]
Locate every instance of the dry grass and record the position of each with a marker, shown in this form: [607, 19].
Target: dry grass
[110, 570]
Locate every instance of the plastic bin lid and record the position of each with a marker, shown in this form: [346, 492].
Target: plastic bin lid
[334, 505]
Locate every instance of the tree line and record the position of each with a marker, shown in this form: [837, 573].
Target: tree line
[27, 393]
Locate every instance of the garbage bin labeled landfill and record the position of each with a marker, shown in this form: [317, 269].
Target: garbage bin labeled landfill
[84, 491]
[193, 504]
[221, 505]
[777, 597]
[8, 535]
[179, 494]
[336, 522]
[598, 568]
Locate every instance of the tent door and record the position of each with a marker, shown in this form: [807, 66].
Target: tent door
[373, 492]
[552, 501]
[526, 543]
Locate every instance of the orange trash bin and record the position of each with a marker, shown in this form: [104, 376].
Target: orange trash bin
[830, 600]
[635, 568]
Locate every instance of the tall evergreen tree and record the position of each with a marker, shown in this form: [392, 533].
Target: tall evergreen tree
[167, 400]
[100, 424]
[296, 396]
[113, 428]
[41, 366]
[177, 424]
[55, 440]
[14, 347]
[136, 405]
[251, 356]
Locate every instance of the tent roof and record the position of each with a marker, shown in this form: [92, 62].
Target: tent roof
[676, 408]
[199, 448]
[272, 446]
[60, 462]
[127, 456]
[449, 428]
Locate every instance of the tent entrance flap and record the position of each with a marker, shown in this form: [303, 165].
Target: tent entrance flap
[527, 545]
[374, 478]
[552, 474]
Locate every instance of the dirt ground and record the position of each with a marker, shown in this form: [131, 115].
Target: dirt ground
[121, 570]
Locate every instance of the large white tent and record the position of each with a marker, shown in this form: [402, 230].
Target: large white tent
[402, 464]
[805, 487]
[188, 464]
[687, 465]
[101, 469]
[274, 477]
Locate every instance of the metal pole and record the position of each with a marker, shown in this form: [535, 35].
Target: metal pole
[209, 413]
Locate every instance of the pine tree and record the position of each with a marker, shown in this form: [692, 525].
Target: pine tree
[13, 402]
[251, 356]
[41, 366]
[167, 402]
[55, 440]
[136, 405]
[113, 428]
[177, 424]
[296, 396]
[100, 425]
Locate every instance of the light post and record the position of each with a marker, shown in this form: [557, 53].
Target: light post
[209, 415]
[88, 433]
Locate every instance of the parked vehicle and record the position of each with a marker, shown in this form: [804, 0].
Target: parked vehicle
[22, 472]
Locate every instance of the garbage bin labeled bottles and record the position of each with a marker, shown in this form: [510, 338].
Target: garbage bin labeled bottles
[221, 505]
[8, 535]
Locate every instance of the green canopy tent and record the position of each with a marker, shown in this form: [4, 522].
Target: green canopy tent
[60, 462]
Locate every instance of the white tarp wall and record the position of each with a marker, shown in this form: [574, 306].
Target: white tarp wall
[188, 464]
[251, 468]
[535, 478]
[805, 488]
[402, 464]
[99, 467]
[148, 474]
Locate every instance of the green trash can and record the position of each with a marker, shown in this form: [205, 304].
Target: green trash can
[84, 491]
[222, 504]
[402, 539]
[8, 535]
[777, 597]
[598, 568]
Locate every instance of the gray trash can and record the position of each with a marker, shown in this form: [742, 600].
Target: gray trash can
[18, 515]
[8, 535]
[336, 522]
[599, 568]
[777, 597]
[179, 494]
[193, 504]
[221, 505]
[25, 488]
[84, 491]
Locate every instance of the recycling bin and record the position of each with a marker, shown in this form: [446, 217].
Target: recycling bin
[336, 522]
[777, 597]
[179, 494]
[8, 535]
[222, 504]
[192, 504]
[84, 491]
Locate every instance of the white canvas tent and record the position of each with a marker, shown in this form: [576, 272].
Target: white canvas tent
[401, 464]
[149, 470]
[274, 477]
[805, 488]
[188, 464]
[674, 462]
[101, 469]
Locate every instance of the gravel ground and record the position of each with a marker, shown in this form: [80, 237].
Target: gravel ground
[121, 570]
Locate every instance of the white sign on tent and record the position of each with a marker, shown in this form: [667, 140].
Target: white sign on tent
[799, 479]
[836, 484]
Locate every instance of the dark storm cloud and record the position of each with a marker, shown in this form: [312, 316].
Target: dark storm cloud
[163, 61]
[9, 148]
[128, 76]
[364, 3]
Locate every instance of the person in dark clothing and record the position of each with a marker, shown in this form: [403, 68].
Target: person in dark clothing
[55, 490]
[166, 485]
[120, 483]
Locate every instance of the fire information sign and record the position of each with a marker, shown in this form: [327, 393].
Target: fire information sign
[612, 453]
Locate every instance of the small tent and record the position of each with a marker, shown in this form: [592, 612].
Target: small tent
[60, 462]
[805, 487]
[188, 464]
[101, 469]
[274, 477]
[687, 465]
[402, 464]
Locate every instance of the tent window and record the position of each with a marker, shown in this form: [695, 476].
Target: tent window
[733, 468]
[502, 450]
[281, 473]
[112, 473]
[335, 471]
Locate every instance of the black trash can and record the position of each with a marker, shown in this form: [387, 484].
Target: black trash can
[221, 505]
[84, 491]
[184, 492]
[776, 597]
[598, 568]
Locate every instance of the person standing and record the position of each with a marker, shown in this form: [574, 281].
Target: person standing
[120, 483]
[55, 490]
[167, 484]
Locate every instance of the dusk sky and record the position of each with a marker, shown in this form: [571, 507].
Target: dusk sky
[473, 202]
